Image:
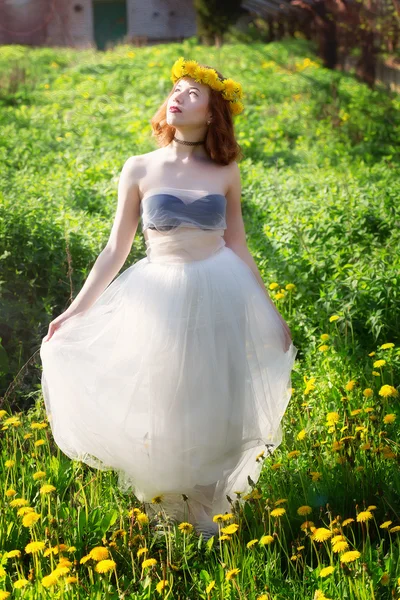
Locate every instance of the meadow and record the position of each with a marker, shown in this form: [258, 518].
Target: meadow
[320, 201]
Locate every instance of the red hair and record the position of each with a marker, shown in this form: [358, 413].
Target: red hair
[220, 143]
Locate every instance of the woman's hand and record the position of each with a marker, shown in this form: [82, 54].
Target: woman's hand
[56, 324]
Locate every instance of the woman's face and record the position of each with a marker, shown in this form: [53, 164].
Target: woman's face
[192, 98]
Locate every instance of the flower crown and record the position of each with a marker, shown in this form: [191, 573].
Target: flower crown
[231, 90]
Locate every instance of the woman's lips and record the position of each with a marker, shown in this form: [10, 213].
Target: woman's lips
[174, 109]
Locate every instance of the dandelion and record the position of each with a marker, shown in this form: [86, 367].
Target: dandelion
[332, 417]
[355, 412]
[232, 573]
[325, 337]
[333, 318]
[39, 442]
[71, 579]
[251, 543]
[388, 390]
[315, 475]
[387, 419]
[323, 348]
[210, 586]
[385, 524]
[161, 585]
[266, 540]
[47, 488]
[290, 286]
[273, 285]
[142, 518]
[340, 546]
[350, 556]
[103, 566]
[34, 547]
[364, 515]
[13, 554]
[368, 392]
[326, 571]
[39, 475]
[276, 466]
[379, 363]
[230, 529]
[309, 384]
[293, 454]
[277, 512]
[19, 502]
[157, 499]
[301, 435]
[395, 529]
[30, 519]
[322, 534]
[149, 562]
[350, 384]
[219, 518]
[185, 527]
[21, 583]
[387, 345]
[9, 463]
[99, 553]
[307, 525]
[304, 510]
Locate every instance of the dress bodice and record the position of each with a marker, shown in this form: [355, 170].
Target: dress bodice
[165, 208]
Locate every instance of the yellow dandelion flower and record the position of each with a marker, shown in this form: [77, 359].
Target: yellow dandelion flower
[230, 529]
[13, 553]
[18, 502]
[47, 488]
[332, 417]
[232, 573]
[9, 463]
[350, 384]
[30, 519]
[368, 392]
[280, 501]
[251, 543]
[307, 525]
[61, 570]
[142, 518]
[71, 579]
[149, 562]
[315, 475]
[363, 516]
[387, 419]
[39, 443]
[376, 373]
[99, 553]
[161, 585]
[273, 285]
[340, 546]
[323, 348]
[301, 435]
[325, 336]
[103, 566]
[10, 492]
[265, 540]
[20, 583]
[333, 318]
[49, 580]
[326, 571]
[387, 345]
[379, 363]
[219, 518]
[142, 551]
[395, 529]
[39, 475]
[369, 409]
[84, 559]
[388, 390]
[322, 534]
[350, 556]
[185, 527]
[304, 510]
[276, 466]
[385, 524]
[157, 499]
[210, 586]
[34, 547]
[278, 512]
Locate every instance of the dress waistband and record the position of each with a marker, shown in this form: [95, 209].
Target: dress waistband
[183, 244]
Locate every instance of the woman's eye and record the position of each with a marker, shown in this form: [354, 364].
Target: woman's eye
[191, 92]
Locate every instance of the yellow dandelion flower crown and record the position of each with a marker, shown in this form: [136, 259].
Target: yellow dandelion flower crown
[231, 90]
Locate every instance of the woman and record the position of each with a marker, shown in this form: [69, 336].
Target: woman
[177, 374]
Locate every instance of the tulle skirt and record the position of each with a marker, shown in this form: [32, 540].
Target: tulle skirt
[176, 377]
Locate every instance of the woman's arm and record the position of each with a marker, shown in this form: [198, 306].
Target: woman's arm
[114, 254]
[235, 235]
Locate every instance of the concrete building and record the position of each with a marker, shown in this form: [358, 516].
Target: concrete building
[95, 23]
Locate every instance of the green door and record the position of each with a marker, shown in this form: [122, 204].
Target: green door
[109, 21]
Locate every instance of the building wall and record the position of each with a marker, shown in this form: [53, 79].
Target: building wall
[70, 22]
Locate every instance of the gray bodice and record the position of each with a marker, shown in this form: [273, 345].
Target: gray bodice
[168, 208]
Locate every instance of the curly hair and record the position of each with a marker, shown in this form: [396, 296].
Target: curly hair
[220, 143]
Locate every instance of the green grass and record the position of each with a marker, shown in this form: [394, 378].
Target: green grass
[320, 189]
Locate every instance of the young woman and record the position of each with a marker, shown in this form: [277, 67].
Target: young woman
[176, 374]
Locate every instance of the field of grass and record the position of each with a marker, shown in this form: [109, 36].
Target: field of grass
[320, 200]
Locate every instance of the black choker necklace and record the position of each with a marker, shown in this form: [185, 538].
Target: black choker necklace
[188, 143]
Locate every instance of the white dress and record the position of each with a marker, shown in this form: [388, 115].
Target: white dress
[176, 377]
